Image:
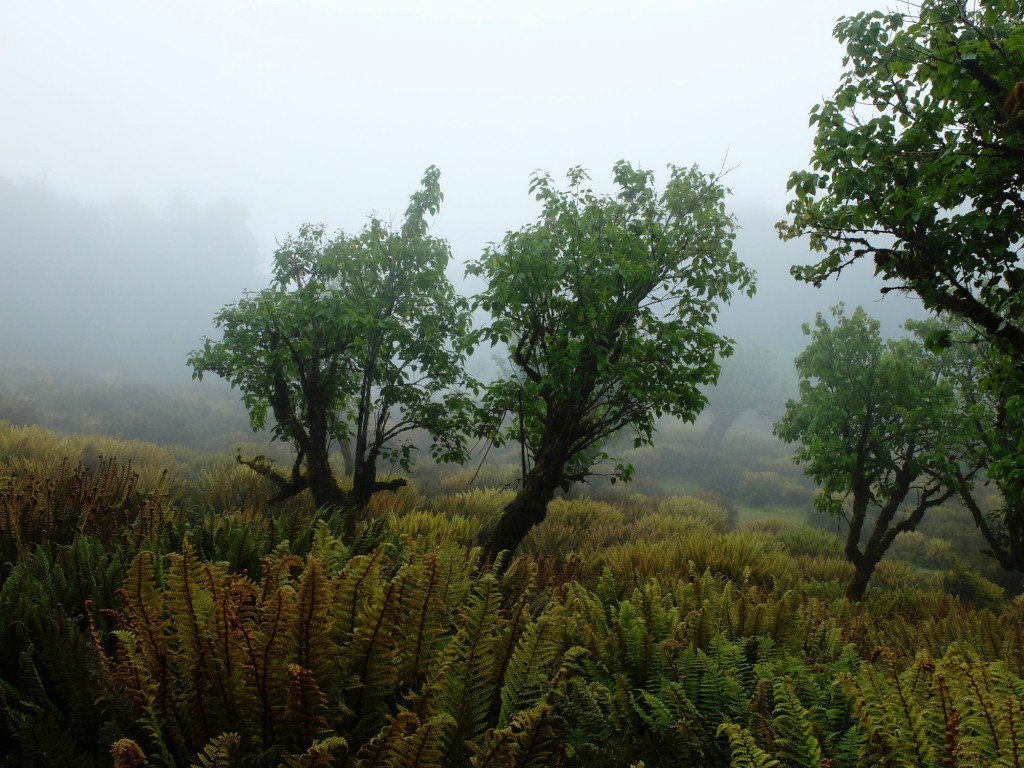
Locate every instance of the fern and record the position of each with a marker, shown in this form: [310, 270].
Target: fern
[528, 741]
[796, 742]
[373, 655]
[405, 742]
[306, 711]
[189, 640]
[128, 754]
[313, 628]
[532, 664]
[218, 752]
[745, 752]
[321, 754]
[465, 679]
[424, 616]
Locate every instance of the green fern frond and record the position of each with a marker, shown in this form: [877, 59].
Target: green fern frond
[985, 706]
[357, 583]
[313, 628]
[306, 711]
[190, 604]
[405, 742]
[427, 745]
[533, 663]
[796, 740]
[373, 654]
[893, 725]
[424, 616]
[380, 751]
[465, 679]
[745, 751]
[267, 653]
[329, 548]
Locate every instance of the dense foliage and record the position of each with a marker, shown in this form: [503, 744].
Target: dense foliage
[917, 165]
[353, 342]
[627, 632]
[882, 428]
[607, 306]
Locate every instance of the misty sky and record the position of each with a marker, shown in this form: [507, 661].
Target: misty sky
[224, 125]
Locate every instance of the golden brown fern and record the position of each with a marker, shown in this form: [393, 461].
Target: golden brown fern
[407, 742]
[373, 660]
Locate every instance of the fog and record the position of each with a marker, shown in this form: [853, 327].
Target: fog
[116, 287]
[153, 153]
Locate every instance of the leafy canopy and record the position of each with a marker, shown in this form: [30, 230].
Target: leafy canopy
[917, 164]
[917, 161]
[871, 415]
[355, 336]
[607, 305]
[883, 428]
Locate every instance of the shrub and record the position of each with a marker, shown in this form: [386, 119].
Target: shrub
[725, 479]
[715, 516]
[481, 504]
[972, 588]
[762, 489]
[106, 504]
[802, 540]
[571, 523]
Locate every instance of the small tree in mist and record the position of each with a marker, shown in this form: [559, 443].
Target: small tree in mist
[354, 340]
[607, 306]
[881, 430]
[751, 381]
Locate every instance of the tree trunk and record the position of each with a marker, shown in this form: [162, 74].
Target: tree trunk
[326, 492]
[856, 588]
[364, 482]
[527, 509]
[346, 456]
[719, 428]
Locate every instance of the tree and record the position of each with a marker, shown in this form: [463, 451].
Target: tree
[355, 339]
[879, 430]
[918, 165]
[750, 381]
[607, 306]
[995, 430]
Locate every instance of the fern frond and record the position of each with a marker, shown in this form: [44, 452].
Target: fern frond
[311, 634]
[424, 615]
[533, 662]
[745, 752]
[267, 654]
[373, 654]
[465, 680]
[190, 604]
[405, 742]
[358, 581]
[427, 745]
[321, 754]
[128, 754]
[528, 741]
[217, 753]
[305, 713]
[796, 741]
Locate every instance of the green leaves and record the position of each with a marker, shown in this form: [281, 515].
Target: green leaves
[357, 336]
[881, 423]
[917, 165]
[606, 305]
[917, 156]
